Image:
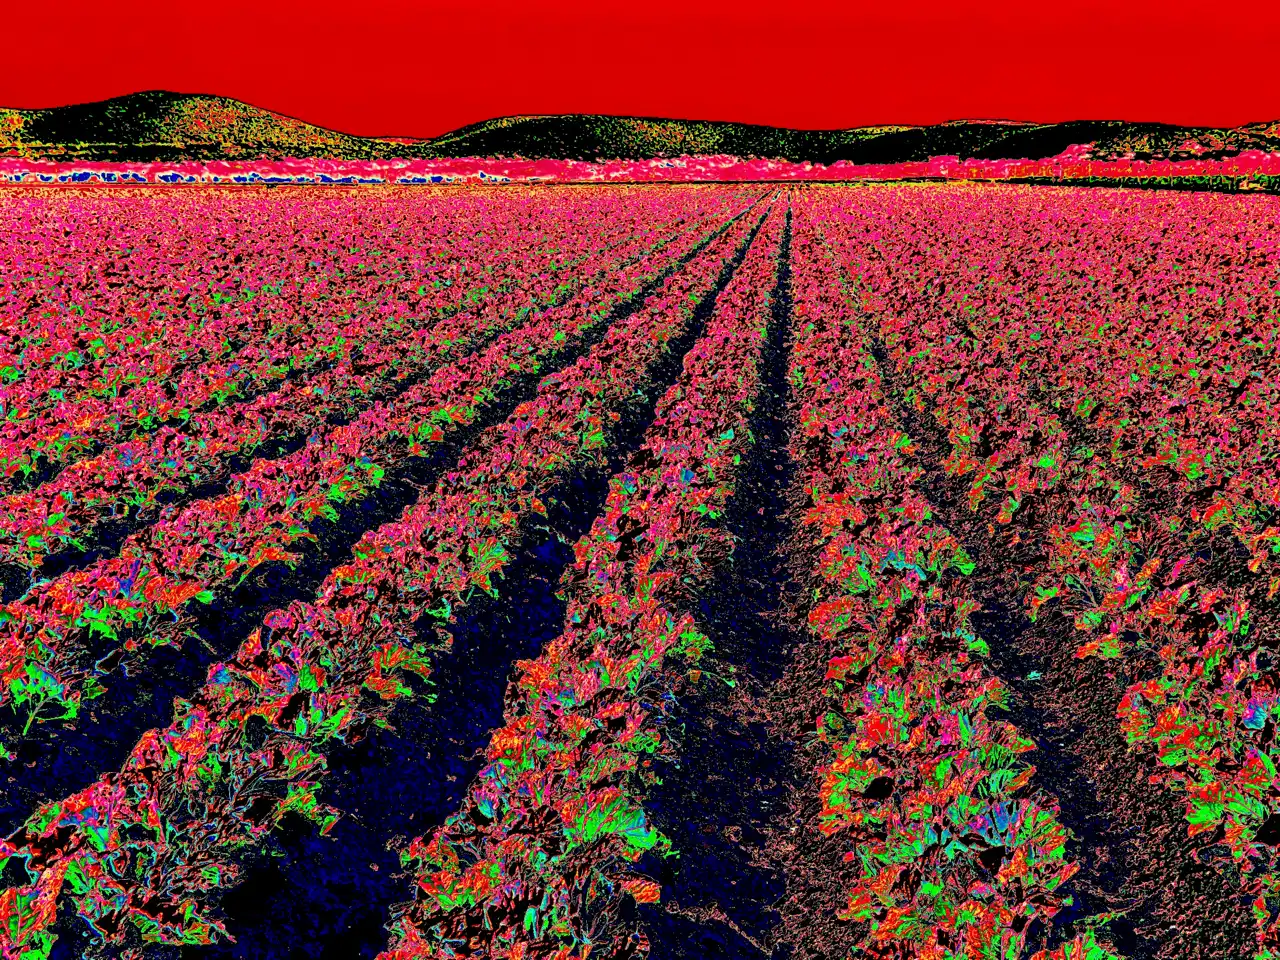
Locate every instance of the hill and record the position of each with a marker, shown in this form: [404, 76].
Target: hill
[156, 125]
[589, 137]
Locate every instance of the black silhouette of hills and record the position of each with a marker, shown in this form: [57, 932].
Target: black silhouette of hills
[156, 125]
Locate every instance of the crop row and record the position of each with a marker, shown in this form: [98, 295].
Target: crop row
[1144, 325]
[1120, 567]
[229, 320]
[202, 255]
[542, 852]
[215, 339]
[137, 596]
[144, 848]
[951, 853]
[1112, 374]
[1010, 446]
[128, 477]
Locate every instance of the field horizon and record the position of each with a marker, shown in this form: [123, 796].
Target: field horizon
[685, 571]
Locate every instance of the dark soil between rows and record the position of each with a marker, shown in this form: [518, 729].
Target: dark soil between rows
[327, 897]
[57, 759]
[1130, 837]
[727, 790]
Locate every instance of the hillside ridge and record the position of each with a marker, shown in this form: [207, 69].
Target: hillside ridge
[157, 125]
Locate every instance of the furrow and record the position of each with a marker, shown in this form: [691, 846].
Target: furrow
[538, 861]
[65, 636]
[156, 840]
[57, 526]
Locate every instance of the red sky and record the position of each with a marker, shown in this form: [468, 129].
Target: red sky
[420, 68]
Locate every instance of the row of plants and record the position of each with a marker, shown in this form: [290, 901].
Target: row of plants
[1203, 711]
[236, 335]
[134, 600]
[141, 275]
[542, 854]
[947, 849]
[128, 477]
[142, 852]
[1009, 445]
[175, 350]
[1142, 325]
[1112, 373]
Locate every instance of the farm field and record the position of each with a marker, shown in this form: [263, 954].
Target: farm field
[881, 570]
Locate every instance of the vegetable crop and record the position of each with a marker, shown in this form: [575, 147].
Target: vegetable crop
[869, 572]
